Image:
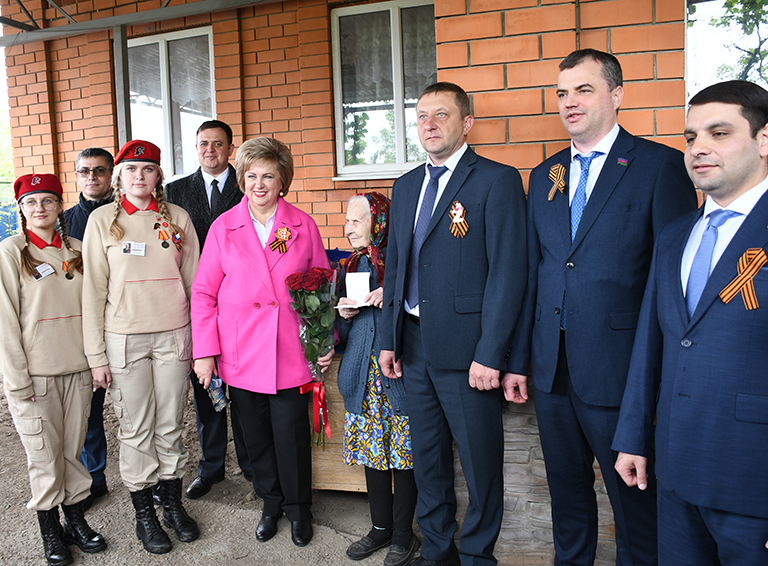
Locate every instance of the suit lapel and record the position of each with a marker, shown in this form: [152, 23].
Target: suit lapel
[561, 202]
[410, 200]
[284, 217]
[463, 169]
[753, 233]
[675, 266]
[199, 196]
[243, 237]
[610, 176]
[231, 194]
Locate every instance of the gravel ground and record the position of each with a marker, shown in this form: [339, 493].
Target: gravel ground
[227, 516]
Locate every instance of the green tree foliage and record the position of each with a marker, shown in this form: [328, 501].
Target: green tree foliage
[385, 142]
[748, 17]
[354, 138]
[7, 210]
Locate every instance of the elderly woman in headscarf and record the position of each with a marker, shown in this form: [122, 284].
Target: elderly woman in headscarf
[376, 433]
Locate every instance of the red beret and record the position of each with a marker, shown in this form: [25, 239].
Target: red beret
[37, 183]
[138, 150]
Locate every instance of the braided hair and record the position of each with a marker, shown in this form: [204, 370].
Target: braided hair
[115, 230]
[28, 263]
[76, 263]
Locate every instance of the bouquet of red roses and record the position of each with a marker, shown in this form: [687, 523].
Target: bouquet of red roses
[314, 299]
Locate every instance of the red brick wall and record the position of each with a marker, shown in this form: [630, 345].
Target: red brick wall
[273, 77]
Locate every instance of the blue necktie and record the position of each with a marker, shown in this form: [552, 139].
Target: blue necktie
[580, 196]
[420, 232]
[702, 261]
[578, 205]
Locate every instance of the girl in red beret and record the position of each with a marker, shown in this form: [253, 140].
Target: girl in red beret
[142, 255]
[48, 395]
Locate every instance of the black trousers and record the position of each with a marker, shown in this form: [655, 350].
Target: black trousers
[277, 437]
[390, 509]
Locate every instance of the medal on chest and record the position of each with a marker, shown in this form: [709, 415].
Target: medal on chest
[282, 235]
[458, 226]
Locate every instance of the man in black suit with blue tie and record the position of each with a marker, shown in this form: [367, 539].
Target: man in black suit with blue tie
[205, 194]
[453, 287]
[697, 392]
[594, 210]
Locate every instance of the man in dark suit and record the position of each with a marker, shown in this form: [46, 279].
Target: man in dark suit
[594, 210]
[453, 287]
[94, 171]
[699, 363]
[205, 194]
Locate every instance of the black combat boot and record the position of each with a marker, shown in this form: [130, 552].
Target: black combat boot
[77, 531]
[148, 528]
[56, 552]
[174, 515]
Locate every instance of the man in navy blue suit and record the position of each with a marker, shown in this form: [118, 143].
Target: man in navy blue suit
[453, 288]
[594, 210]
[699, 363]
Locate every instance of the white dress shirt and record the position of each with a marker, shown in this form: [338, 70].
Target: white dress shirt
[208, 178]
[744, 205]
[450, 164]
[574, 171]
[263, 231]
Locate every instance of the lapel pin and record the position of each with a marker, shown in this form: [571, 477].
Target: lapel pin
[282, 235]
[748, 266]
[557, 176]
[458, 226]
[623, 161]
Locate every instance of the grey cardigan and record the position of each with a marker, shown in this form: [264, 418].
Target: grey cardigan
[361, 336]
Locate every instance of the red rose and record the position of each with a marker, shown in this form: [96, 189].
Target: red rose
[295, 281]
[313, 280]
[326, 273]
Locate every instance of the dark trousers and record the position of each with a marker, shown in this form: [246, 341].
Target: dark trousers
[573, 434]
[392, 509]
[277, 438]
[443, 408]
[94, 453]
[700, 536]
[212, 434]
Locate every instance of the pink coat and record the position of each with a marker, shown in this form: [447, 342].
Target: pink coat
[241, 308]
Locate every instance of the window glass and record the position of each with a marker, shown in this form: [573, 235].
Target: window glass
[190, 100]
[172, 93]
[384, 56]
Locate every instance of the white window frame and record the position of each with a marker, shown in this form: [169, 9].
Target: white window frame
[376, 170]
[169, 166]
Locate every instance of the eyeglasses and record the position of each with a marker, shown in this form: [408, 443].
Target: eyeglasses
[30, 205]
[84, 173]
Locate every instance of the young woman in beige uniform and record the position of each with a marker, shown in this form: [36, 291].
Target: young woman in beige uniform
[142, 255]
[48, 395]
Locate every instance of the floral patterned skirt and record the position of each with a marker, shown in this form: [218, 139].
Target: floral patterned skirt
[377, 438]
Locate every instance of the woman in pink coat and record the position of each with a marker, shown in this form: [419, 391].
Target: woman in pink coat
[244, 327]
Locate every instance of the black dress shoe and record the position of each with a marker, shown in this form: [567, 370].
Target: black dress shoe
[366, 546]
[452, 560]
[301, 532]
[267, 527]
[200, 486]
[402, 555]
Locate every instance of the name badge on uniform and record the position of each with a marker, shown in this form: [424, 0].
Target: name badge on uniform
[43, 270]
[134, 248]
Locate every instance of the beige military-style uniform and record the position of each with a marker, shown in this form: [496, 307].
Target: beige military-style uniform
[45, 372]
[136, 321]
